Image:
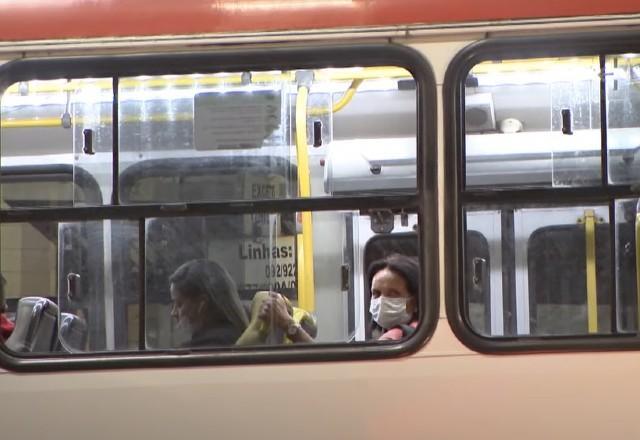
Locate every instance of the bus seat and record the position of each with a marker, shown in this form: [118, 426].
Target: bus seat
[36, 322]
[72, 333]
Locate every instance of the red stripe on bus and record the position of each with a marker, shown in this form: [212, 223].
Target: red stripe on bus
[45, 19]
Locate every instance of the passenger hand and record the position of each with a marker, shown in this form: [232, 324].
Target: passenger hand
[274, 309]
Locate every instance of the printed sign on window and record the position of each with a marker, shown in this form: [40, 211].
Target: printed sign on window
[235, 120]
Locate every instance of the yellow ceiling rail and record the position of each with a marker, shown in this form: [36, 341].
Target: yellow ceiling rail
[57, 122]
[31, 123]
[191, 80]
[534, 65]
[521, 66]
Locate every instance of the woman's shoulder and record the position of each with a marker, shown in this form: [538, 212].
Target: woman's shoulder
[397, 333]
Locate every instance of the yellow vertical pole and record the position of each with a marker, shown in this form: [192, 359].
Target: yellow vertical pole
[306, 297]
[590, 253]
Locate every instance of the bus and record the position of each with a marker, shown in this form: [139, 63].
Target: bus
[296, 143]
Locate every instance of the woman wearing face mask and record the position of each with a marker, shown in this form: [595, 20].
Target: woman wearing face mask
[206, 304]
[394, 285]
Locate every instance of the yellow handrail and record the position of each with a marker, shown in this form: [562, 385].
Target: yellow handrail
[590, 261]
[306, 297]
[31, 123]
[106, 120]
[341, 103]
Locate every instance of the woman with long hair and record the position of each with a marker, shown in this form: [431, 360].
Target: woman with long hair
[206, 303]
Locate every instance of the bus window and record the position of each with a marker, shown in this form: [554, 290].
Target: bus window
[254, 176]
[547, 152]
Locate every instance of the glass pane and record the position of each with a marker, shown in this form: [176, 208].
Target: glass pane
[209, 291]
[232, 135]
[483, 284]
[43, 141]
[28, 264]
[69, 286]
[93, 133]
[623, 117]
[98, 287]
[538, 271]
[83, 280]
[533, 122]
[627, 230]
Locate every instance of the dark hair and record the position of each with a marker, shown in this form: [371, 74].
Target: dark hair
[406, 267]
[209, 279]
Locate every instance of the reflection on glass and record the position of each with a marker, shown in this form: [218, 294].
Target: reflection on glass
[234, 136]
[28, 266]
[533, 122]
[213, 281]
[212, 288]
[201, 292]
[49, 187]
[97, 285]
[58, 132]
[538, 271]
[623, 117]
[627, 299]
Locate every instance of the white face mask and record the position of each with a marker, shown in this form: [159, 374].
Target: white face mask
[389, 312]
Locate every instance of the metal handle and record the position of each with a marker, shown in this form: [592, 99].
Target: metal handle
[566, 121]
[73, 281]
[87, 139]
[479, 265]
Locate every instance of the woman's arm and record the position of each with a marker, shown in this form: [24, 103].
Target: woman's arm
[276, 308]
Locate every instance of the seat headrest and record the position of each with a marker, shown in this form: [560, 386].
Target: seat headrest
[72, 332]
[36, 326]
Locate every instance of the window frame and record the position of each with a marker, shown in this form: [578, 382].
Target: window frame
[423, 201]
[457, 197]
